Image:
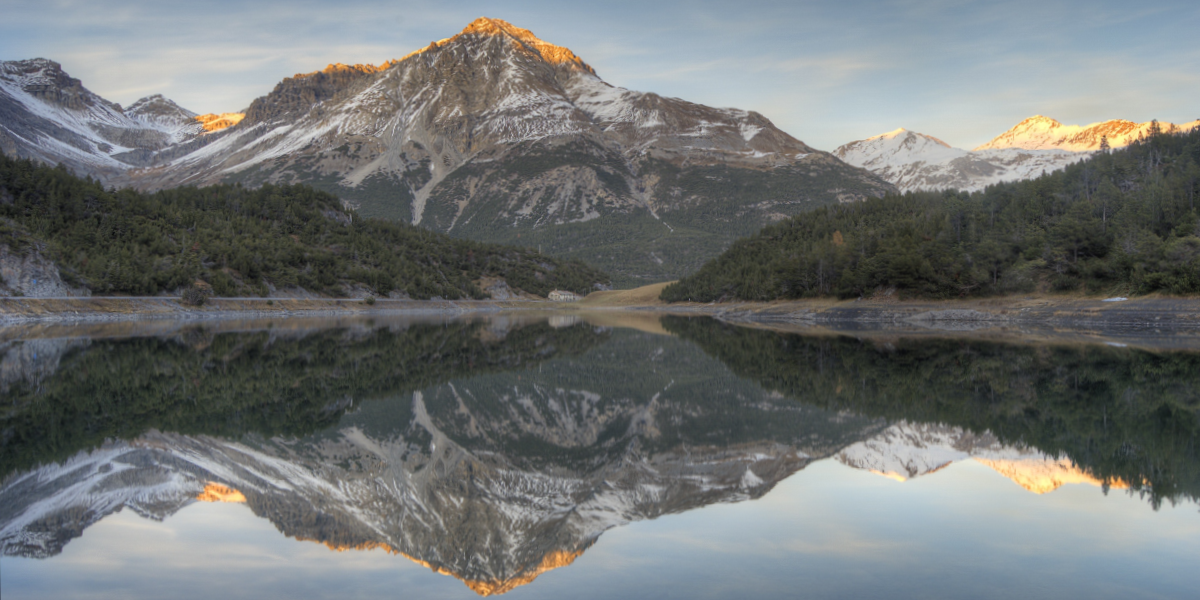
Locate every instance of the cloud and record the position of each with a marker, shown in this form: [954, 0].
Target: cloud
[825, 71]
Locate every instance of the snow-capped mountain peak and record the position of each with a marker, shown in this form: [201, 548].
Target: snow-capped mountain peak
[908, 450]
[895, 148]
[162, 114]
[1043, 133]
[556, 55]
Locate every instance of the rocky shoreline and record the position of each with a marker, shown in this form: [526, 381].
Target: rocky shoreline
[1149, 314]
[15, 311]
[1139, 318]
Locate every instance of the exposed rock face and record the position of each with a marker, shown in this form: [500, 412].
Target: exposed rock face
[211, 122]
[914, 161]
[27, 272]
[1043, 133]
[162, 114]
[47, 115]
[496, 135]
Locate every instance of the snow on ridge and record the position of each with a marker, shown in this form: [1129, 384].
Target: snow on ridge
[1043, 133]
[913, 162]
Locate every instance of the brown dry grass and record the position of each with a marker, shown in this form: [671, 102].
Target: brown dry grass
[647, 295]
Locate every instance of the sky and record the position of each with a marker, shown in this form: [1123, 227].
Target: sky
[827, 72]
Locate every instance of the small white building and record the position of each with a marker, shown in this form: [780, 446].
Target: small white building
[564, 296]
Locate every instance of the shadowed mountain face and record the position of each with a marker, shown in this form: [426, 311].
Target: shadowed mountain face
[493, 135]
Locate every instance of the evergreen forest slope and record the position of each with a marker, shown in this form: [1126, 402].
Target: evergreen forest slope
[1121, 414]
[1123, 222]
[249, 242]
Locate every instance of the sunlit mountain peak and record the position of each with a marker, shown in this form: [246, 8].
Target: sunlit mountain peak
[523, 40]
[213, 122]
[1043, 475]
[215, 492]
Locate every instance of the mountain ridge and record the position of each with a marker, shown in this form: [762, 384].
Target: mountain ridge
[496, 135]
[918, 162]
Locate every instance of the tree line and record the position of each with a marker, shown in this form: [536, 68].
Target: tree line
[244, 242]
[1120, 222]
[1122, 415]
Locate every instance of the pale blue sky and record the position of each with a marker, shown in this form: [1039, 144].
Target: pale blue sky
[826, 72]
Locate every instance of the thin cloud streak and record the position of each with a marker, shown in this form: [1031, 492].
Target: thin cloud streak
[827, 72]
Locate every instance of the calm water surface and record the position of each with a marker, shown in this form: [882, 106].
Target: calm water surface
[594, 458]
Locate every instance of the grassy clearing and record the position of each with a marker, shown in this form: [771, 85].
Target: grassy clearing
[647, 295]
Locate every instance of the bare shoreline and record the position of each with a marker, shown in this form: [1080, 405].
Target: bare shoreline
[1157, 322]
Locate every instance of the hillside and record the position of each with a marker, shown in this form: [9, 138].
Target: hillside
[492, 135]
[916, 162]
[270, 240]
[1122, 222]
[1048, 398]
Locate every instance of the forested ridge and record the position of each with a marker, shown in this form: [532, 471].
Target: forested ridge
[244, 242]
[1123, 415]
[1119, 222]
[233, 384]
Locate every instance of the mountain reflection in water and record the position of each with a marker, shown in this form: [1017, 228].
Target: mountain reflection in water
[494, 451]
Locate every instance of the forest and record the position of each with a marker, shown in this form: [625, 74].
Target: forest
[249, 242]
[232, 384]
[1122, 222]
[1122, 415]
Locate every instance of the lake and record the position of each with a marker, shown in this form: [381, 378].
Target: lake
[593, 456]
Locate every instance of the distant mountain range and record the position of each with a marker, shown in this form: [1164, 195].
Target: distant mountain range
[908, 450]
[498, 136]
[915, 161]
[492, 134]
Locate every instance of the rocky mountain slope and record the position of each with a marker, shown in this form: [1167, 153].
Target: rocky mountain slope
[914, 161]
[493, 135]
[1043, 133]
[47, 115]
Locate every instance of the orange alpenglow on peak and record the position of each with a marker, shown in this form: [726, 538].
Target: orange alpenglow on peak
[493, 587]
[215, 492]
[553, 560]
[523, 39]
[1041, 476]
[342, 68]
[213, 122]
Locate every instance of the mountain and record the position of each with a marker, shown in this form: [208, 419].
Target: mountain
[1043, 133]
[496, 135]
[907, 450]
[47, 115]
[914, 161]
[59, 232]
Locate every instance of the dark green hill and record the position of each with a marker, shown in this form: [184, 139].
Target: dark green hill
[1122, 414]
[1125, 222]
[231, 384]
[245, 241]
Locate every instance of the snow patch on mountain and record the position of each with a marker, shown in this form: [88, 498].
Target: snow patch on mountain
[914, 161]
[908, 450]
[1043, 133]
